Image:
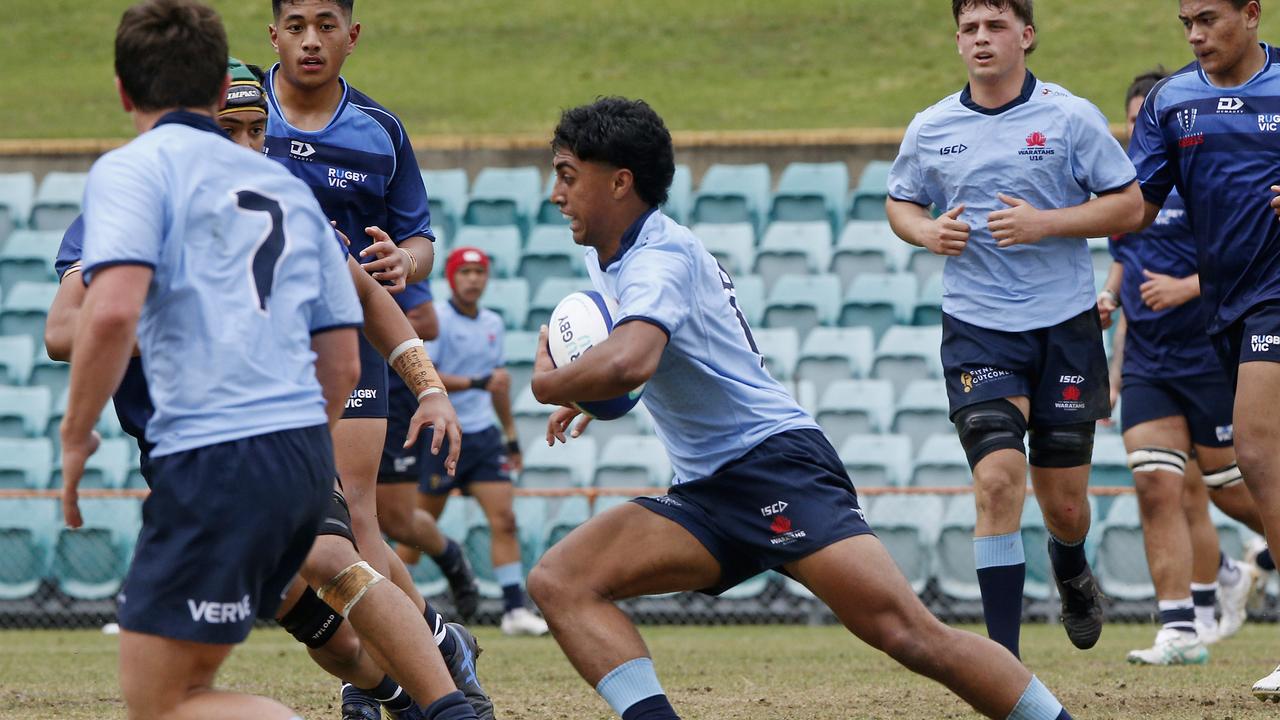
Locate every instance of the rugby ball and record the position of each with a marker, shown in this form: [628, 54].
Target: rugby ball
[580, 322]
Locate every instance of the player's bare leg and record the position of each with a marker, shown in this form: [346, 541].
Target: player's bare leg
[433, 506]
[1206, 555]
[1238, 504]
[403, 521]
[342, 656]
[1234, 580]
[165, 679]
[497, 500]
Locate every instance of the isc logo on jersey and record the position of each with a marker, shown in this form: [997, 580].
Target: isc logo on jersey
[580, 322]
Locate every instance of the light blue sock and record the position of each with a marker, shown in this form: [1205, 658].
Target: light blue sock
[1036, 703]
[628, 684]
[509, 574]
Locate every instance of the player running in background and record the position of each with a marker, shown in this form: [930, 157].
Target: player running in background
[1174, 399]
[469, 355]
[1209, 131]
[1012, 162]
[739, 444]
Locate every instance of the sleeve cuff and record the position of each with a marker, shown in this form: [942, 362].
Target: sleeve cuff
[340, 326]
[645, 318]
[1117, 188]
[88, 270]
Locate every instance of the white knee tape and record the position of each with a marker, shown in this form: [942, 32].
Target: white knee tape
[1153, 459]
[347, 587]
[1223, 477]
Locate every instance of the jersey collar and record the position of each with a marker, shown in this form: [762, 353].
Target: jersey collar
[270, 87]
[190, 119]
[629, 238]
[1028, 87]
[1271, 58]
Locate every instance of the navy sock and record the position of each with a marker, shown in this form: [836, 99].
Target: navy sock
[1002, 573]
[1064, 715]
[1068, 559]
[509, 576]
[1265, 561]
[450, 559]
[1178, 615]
[453, 706]
[512, 597]
[391, 695]
[352, 695]
[444, 640]
[656, 707]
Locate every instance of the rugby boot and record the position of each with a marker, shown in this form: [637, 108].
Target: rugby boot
[462, 666]
[463, 588]
[1172, 647]
[1082, 611]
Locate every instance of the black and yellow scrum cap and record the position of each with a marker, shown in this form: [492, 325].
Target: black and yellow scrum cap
[245, 93]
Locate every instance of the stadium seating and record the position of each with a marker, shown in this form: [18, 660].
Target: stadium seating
[922, 411]
[25, 463]
[548, 212]
[908, 525]
[924, 264]
[878, 301]
[509, 297]
[732, 244]
[550, 252]
[17, 193]
[855, 407]
[504, 196]
[1039, 583]
[867, 247]
[928, 309]
[24, 411]
[941, 462]
[51, 374]
[793, 248]
[519, 347]
[811, 191]
[908, 353]
[680, 196]
[629, 461]
[1110, 462]
[108, 467]
[531, 416]
[89, 563]
[28, 257]
[954, 566]
[636, 422]
[562, 515]
[867, 200]
[780, 348]
[57, 202]
[500, 243]
[25, 307]
[803, 302]
[27, 528]
[16, 355]
[877, 459]
[831, 354]
[553, 290]
[733, 193]
[1121, 564]
[566, 465]
[447, 196]
[749, 290]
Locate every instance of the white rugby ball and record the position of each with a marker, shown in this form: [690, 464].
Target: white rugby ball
[580, 322]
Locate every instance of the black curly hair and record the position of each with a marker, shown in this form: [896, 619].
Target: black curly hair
[625, 134]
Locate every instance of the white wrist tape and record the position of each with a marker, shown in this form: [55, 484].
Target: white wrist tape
[430, 391]
[402, 348]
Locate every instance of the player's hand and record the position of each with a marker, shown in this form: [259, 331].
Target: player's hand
[542, 364]
[1275, 201]
[499, 381]
[947, 234]
[1106, 308]
[345, 240]
[392, 266]
[516, 461]
[75, 453]
[559, 422]
[436, 410]
[1162, 292]
[1019, 224]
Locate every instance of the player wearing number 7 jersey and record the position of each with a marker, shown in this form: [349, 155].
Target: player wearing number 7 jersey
[757, 486]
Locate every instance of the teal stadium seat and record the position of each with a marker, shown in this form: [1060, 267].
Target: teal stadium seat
[908, 353]
[563, 514]
[108, 467]
[51, 374]
[531, 513]
[24, 411]
[829, 354]
[1121, 562]
[805, 393]
[633, 461]
[803, 302]
[867, 200]
[548, 212]
[25, 463]
[733, 193]
[550, 252]
[855, 407]
[28, 256]
[57, 202]
[89, 563]
[928, 308]
[504, 196]
[877, 459]
[26, 305]
[17, 193]
[27, 529]
[780, 348]
[908, 525]
[570, 465]
[447, 197]
[924, 264]
[509, 297]
[1110, 462]
[923, 411]
[811, 191]
[954, 565]
[553, 290]
[732, 244]
[867, 247]
[520, 347]
[749, 289]
[878, 302]
[531, 417]
[17, 353]
[500, 243]
[679, 203]
[793, 248]
[941, 462]
[1039, 584]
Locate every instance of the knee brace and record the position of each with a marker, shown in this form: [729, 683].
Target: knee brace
[349, 586]
[1158, 459]
[990, 426]
[1223, 477]
[1062, 446]
[310, 621]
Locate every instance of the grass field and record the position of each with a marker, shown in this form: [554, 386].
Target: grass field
[720, 673]
[495, 66]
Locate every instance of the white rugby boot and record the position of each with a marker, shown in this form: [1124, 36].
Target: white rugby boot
[1234, 599]
[1172, 647]
[523, 621]
[1268, 688]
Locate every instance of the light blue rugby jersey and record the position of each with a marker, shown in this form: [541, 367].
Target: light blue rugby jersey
[1047, 147]
[246, 271]
[711, 398]
[472, 347]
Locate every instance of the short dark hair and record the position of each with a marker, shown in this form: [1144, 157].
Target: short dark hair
[1022, 9]
[1144, 83]
[1239, 4]
[625, 134]
[171, 53]
[349, 6]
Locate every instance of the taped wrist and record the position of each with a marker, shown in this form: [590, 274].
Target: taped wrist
[414, 366]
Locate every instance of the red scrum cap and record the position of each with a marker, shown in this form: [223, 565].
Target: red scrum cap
[464, 256]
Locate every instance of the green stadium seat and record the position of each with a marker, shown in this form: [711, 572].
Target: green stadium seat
[867, 200]
[553, 290]
[924, 264]
[803, 302]
[1110, 462]
[1039, 584]
[928, 307]
[732, 244]
[509, 297]
[24, 411]
[1121, 561]
[680, 196]
[804, 393]
[829, 354]
[954, 565]
[548, 212]
[519, 347]
[477, 542]
[780, 348]
[25, 463]
[923, 411]
[57, 202]
[26, 305]
[531, 417]
[867, 247]
[531, 513]
[501, 244]
[504, 196]
[550, 252]
[27, 529]
[447, 196]
[855, 407]
[17, 193]
[28, 256]
[793, 248]
[89, 563]
[107, 468]
[908, 353]
[878, 302]
[941, 462]
[17, 353]
[733, 193]
[811, 191]
[563, 514]
[632, 461]
[908, 525]
[749, 289]
[877, 459]
[52, 374]
[567, 465]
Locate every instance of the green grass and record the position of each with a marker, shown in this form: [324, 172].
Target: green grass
[720, 673]
[495, 66]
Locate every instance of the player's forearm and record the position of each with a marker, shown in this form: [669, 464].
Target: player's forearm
[424, 254]
[385, 324]
[606, 373]
[1115, 278]
[1191, 284]
[1111, 214]
[908, 220]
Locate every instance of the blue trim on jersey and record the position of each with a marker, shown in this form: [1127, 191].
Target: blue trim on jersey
[339, 326]
[88, 270]
[1028, 87]
[628, 239]
[462, 312]
[644, 318]
[598, 299]
[191, 120]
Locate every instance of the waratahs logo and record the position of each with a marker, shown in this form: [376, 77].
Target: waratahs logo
[1036, 149]
[1036, 139]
